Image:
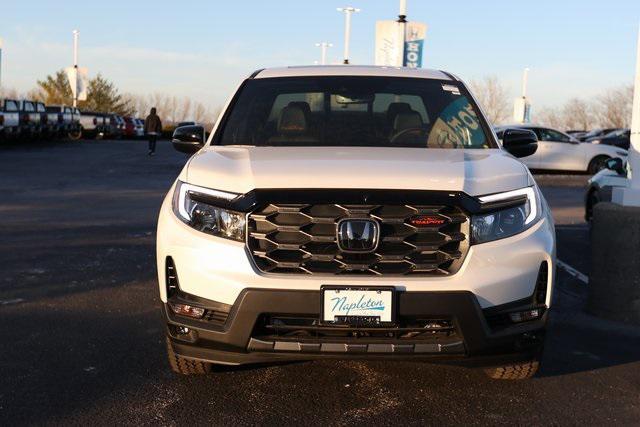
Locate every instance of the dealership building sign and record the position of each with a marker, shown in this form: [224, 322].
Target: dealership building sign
[400, 44]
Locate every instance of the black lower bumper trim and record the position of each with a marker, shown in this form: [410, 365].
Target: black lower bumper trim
[233, 343]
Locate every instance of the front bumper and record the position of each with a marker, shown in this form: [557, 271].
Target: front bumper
[495, 277]
[237, 339]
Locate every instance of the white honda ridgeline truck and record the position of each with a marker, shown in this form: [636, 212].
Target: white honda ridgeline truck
[355, 212]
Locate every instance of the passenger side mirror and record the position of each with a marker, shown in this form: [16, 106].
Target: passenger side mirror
[617, 165]
[188, 139]
[520, 142]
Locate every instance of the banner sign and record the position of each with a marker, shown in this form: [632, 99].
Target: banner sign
[394, 50]
[388, 49]
[79, 81]
[414, 44]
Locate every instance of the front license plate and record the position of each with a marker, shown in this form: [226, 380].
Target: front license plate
[357, 305]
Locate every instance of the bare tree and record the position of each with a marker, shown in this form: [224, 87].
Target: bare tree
[185, 110]
[10, 93]
[493, 98]
[577, 114]
[550, 117]
[614, 107]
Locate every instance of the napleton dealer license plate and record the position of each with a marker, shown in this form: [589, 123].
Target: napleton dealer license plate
[357, 305]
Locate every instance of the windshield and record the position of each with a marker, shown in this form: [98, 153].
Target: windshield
[354, 111]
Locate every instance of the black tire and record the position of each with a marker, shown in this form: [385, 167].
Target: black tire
[183, 366]
[75, 135]
[517, 371]
[597, 164]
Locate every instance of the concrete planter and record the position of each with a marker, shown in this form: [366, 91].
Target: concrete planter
[614, 283]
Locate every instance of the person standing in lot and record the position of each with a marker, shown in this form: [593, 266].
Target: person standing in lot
[152, 128]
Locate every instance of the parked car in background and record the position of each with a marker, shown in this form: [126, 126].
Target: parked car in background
[620, 138]
[139, 128]
[560, 152]
[104, 125]
[44, 129]
[60, 118]
[11, 118]
[600, 186]
[91, 124]
[129, 127]
[29, 119]
[576, 133]
[595, 133]
[114, 126]
[75, 132]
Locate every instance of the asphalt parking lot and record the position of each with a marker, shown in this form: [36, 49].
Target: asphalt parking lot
[82, 341]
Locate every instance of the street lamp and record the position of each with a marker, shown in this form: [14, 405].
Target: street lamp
[76, 33]
[347, 28]
[323, 51]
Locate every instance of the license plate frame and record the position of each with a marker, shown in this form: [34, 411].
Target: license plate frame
[387, 317]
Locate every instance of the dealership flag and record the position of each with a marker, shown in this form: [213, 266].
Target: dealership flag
[78, 81]
[414, 44]
[389, 49]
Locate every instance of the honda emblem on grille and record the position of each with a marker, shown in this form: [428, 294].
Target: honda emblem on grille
[358, 235]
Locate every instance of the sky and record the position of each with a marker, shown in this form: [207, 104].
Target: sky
[202, 49]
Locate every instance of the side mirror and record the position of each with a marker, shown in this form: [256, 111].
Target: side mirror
[520, 142]
[188, 139]
[617, 165]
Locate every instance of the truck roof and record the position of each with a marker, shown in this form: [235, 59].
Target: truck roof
[351, 70]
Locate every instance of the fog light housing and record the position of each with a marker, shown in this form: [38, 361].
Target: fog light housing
[182, 330]
[187, 310]
[524, 316]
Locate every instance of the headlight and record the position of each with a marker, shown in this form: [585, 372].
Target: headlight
[509, 221]
[195, 206]
[596, 141]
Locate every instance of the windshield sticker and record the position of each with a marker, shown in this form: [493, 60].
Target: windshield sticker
[457, 126]
[451, 88]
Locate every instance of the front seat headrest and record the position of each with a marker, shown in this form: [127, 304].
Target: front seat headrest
[306, 108]
[395, 108]
[405, 121]
[292, 121]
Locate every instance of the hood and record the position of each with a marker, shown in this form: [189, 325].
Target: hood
[242, 169]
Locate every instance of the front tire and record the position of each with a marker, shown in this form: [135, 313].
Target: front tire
[183, 366]
[516, 371]
[597, 164]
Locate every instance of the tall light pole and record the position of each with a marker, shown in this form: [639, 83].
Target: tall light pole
[525, 78]
[402, 21]
[75, 66]
[348, 11]
[323, 51]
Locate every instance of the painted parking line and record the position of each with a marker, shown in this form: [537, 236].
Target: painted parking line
[573, 272]
[11, 301]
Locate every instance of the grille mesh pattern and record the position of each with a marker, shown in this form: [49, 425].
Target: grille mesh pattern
[299, 238]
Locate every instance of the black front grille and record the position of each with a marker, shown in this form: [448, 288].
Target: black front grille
[301, 238]
[292, 327]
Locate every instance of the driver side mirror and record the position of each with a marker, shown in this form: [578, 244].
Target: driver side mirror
[520, 142]
[188, 139]
[617, 165]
